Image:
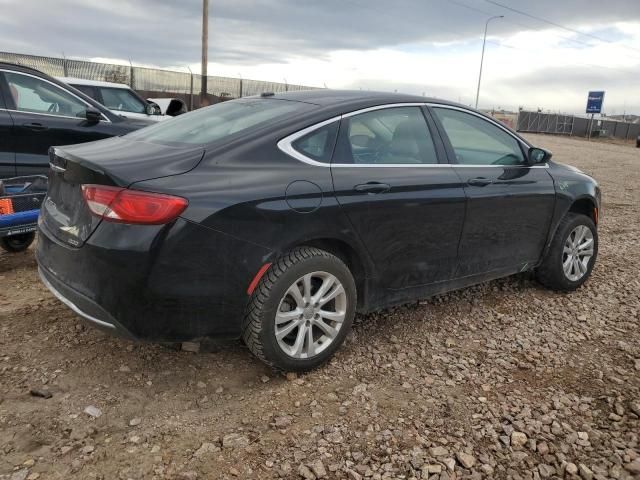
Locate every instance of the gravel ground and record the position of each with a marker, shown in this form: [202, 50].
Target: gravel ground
[502, 380]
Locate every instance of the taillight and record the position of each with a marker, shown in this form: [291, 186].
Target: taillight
[121, 205]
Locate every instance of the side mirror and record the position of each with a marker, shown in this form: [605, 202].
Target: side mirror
[152, 109]
[538, 155]
[93, 115]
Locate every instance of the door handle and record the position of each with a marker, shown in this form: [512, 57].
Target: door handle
[372, 187]
[479, 182]
[35, 126]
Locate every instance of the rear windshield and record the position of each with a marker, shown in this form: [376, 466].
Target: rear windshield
[209, 124]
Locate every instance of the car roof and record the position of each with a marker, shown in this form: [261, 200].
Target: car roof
[94, 83]
[328, 97]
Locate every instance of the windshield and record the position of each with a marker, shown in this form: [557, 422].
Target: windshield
[212, 123]
[122, 100]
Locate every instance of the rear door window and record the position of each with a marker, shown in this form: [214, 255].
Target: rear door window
[389, 136]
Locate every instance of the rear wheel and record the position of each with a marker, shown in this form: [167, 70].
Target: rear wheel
[571, 255]
[17, 243]
[301, 311]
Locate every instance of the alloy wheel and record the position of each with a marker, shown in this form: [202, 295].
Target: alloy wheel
[577, 252]
[310, 315]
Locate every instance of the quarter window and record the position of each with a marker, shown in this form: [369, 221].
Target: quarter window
[31, 94]
[478, 142]
[318, 144]
[395, 136]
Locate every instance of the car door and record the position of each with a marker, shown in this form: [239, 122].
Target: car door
[509, 202]
[7, 152]
[44, 114]
[406, 206]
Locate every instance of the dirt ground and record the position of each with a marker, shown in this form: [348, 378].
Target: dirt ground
[502, 380]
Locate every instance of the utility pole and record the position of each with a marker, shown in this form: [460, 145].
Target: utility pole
[484, 42]
[204, 101]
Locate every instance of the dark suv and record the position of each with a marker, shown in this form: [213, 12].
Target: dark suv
[276, 218]
[38, 111]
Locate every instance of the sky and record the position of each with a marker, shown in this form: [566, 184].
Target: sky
[544, 54]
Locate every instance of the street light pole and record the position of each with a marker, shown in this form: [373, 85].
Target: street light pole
[484, 42]
[205, 47]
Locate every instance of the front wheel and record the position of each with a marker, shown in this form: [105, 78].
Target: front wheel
[571, 255]
[301, 311]
[17, 243]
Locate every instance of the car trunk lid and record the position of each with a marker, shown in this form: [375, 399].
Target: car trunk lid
[115, 162]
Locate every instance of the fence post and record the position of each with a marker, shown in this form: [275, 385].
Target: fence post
[191, 94]
[131, 75]
[65, 70]
[240, 88]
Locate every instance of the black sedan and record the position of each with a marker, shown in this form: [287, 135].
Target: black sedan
[276, 218]
[38, 111]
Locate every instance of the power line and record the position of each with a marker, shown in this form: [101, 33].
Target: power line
[528, 27]
[569, 29]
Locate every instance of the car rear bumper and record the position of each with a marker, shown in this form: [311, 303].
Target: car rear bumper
[89, 310]
[167, 283]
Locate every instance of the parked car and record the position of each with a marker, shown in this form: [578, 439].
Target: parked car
[126, 102]
[38, 111]
[276, 218]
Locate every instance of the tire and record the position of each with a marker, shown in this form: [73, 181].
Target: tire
[275, 294]
[17, 243]
[551, 272]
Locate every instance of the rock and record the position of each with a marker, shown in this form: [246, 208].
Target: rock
[205, 449]
[219, 390]
[353, 475]
[20, 474]
[487, 469]
[264, 379]
[305, 472]
[334, 437]
[282, 422]
[234, 471]
[633, 467]
[518, 439]
[33, 476]
[193, 347]
[571, 468]
[450, 463]
[291, 376]
[235, 440]
[466, 460]
[93, 411]
[189, 475]
[585, 472]
[88, 449]
[546, 471]
[36, 392]
[438, 451]
[543, 448]
[134, 422]
[635, 408]
[318, 469]
[201, 384]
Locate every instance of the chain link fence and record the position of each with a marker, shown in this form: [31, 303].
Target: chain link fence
[152, 82]
[558, 124]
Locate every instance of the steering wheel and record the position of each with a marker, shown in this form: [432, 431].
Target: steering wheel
[54, 107]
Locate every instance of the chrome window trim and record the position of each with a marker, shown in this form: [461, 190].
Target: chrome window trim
[104, 119]
[285, 144]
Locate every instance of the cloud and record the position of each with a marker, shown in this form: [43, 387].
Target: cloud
[416, 46]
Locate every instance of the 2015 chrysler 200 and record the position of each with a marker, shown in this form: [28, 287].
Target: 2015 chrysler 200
[276, 218]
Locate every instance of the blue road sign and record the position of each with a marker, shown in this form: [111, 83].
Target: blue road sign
[594, 102]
